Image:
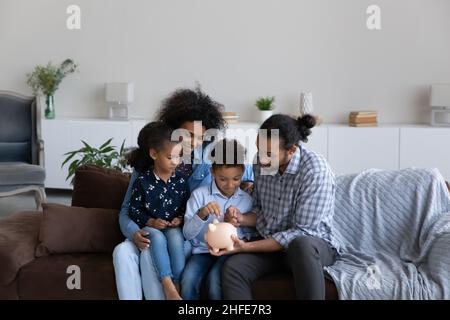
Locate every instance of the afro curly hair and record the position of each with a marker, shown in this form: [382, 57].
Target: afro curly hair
[187, 105]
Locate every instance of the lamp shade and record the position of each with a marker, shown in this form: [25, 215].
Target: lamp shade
[119, 92]
[440, 95]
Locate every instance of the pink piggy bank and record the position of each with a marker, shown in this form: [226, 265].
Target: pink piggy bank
[219, 235]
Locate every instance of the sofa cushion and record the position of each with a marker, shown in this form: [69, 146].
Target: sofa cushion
[47, 277]
[17, 173]
[15, 152]
[280, 286]
[18, 238]
[10, 291]
[97, 187]
[77, 230]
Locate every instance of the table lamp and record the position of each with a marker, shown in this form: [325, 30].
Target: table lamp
[119, 96]
[440, 105]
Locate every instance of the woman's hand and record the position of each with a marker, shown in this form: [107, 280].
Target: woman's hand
[239, 246]
[247, 186]
[159, 224]
[211, 207]
[233, 216]
[176, 222]
[140, 239]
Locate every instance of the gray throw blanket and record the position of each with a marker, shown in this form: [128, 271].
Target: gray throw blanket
[394, 231]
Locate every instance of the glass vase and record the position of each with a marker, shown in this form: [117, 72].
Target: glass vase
[49, 107]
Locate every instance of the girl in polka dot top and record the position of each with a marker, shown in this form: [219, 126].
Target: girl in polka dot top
[158, 202]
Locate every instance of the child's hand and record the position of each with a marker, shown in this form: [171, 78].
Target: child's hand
[158, 223]
[176, 222]
[211, 207]
[233, 216]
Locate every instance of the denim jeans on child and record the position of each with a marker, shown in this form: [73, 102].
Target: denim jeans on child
[167, 252]
[199, 267]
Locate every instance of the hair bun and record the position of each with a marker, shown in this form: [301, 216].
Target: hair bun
[304, 125]
[307, 121]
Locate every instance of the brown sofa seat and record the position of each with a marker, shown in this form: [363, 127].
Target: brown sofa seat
[26, 277]
[9, 292]
[19, 234]
[18, 237]
[280, 286]
[23, 275]
[46, 277]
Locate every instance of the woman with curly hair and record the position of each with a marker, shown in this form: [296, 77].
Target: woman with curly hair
[195, 113]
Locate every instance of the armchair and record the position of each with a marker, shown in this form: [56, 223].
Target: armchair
[21, 147]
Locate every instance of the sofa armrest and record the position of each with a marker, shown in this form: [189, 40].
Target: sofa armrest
[437, 262]
[19, 234]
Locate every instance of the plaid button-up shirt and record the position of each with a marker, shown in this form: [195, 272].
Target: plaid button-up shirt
[299, 202]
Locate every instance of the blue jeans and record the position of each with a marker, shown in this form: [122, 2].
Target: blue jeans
[198, 267]
[167, 252]
[135, 272]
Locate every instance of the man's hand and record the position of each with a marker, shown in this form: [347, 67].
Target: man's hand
[140, 240]
[233, 216]
[239, 246]
[176, 222]
[211, 208]
[159, 224]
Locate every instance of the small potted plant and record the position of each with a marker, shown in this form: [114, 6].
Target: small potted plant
[266, 106]
[46, 80]
[106, 156]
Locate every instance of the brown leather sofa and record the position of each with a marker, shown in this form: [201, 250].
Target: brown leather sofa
[37, 248]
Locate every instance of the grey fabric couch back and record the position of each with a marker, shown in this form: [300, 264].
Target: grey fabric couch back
[388, 211]
[16, 129]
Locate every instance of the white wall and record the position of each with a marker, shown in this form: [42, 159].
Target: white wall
[238, 50]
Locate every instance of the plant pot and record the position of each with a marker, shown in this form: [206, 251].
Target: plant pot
[264, 115]
[49, 107]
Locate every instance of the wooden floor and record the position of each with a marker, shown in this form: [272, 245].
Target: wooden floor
[25, 201]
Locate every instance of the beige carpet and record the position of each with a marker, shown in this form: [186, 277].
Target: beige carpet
[9, 205]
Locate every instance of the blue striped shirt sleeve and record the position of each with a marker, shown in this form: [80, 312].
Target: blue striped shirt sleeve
[315, 198]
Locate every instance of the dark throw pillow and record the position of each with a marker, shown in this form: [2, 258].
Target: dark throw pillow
[77, 230]
[97, 187]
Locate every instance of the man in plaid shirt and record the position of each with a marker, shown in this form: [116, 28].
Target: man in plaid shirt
[292, 211]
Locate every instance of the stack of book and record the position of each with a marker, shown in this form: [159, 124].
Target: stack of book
[363, 119]
[230, 117]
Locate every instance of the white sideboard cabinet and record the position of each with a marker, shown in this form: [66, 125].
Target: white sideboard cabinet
[352, 150]
[347, 149]
[429, 148]
[62, 135]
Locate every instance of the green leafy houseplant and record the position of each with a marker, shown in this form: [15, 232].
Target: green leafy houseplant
[105, 156]
[46, 80]
[265, 103]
